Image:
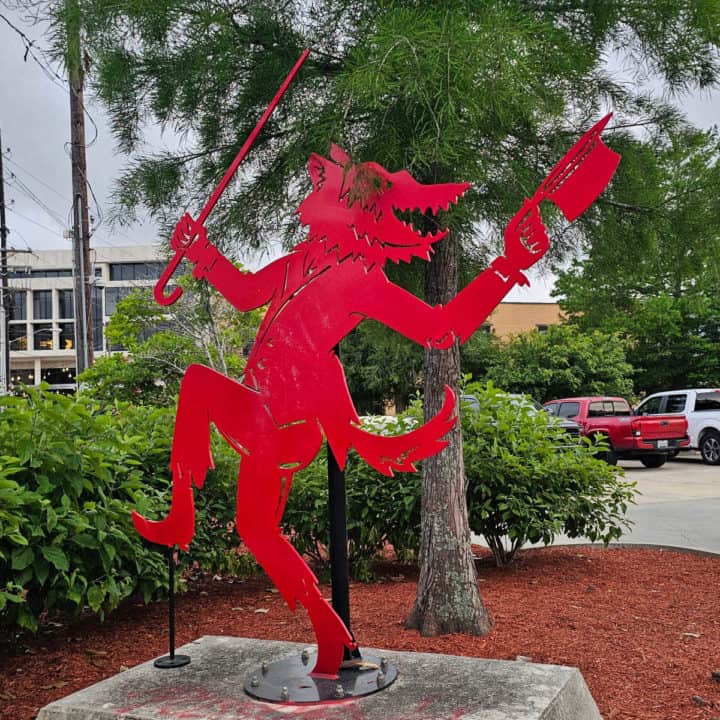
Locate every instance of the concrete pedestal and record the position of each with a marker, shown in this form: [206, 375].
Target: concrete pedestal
[429, 687]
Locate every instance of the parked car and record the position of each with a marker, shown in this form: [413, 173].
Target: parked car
[571, 427]
[631, 437]
[701, 407]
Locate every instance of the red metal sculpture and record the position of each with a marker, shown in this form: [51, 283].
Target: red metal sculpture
[294, 393]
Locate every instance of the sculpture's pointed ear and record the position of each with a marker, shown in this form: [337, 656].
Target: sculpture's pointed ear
[339, 155]
[317, 168]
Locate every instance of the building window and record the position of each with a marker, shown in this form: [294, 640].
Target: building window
[67, 336]
[541, 327]
[66, 272]
[113, 295]
[97, 317]
[22, 377]
[58, 376]
[136, 271]
[42, 304]
[486, 328]
[18, 336]
[42, 337]
[65, 303]
[18, 305]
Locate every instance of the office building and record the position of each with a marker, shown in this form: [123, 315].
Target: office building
[41, 323]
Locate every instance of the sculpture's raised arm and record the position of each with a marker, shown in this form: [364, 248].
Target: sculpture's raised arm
[438, 326]
[244, 290]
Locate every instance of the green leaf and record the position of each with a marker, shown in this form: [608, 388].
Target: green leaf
[96, 597]
[42, 569]
[21, 558]
[56, 556]
[52, 519]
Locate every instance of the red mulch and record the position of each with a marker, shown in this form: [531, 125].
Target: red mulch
[642, 625]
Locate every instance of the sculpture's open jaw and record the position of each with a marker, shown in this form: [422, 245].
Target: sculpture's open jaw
[398, 211]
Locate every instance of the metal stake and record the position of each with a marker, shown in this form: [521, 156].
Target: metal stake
[172, 660]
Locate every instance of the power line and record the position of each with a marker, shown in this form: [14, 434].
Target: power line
[7, 158]
[20, 185]
[34, 222]
[54, 77]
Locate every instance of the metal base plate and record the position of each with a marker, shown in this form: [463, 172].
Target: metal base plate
[288, 680]
[172, 662]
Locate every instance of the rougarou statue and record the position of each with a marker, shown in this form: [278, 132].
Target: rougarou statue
[293, 394]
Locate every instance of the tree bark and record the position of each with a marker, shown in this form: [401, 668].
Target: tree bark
[448, 599]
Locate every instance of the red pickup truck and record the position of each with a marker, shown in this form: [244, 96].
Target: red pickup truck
[648, 438]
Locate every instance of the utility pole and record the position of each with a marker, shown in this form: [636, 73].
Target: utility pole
[4, 292]
[81, 223]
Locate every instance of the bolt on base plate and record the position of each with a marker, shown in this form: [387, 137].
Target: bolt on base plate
[288, 680]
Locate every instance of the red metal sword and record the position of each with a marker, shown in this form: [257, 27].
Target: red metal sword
[174, 296]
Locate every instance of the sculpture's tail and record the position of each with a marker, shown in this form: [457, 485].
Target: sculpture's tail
[401, 452]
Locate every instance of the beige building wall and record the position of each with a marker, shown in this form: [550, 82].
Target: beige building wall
[511, 318]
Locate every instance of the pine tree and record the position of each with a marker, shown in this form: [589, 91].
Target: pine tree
[486, 92]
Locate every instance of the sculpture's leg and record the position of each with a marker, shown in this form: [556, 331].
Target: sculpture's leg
[261, 489]
[206, 397]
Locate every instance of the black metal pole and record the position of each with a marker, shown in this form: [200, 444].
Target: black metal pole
[172, 660]
[4, 290]
[339, 566]
[171, 601]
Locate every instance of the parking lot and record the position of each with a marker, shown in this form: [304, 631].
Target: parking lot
[685, 478]
[679, 504]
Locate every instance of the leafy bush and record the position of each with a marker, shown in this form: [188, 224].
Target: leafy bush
[67, 481]
[561, 362]
[380, 509]
[69, 476]
[528, 482]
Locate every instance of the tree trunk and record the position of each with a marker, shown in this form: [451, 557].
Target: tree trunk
[448, 599]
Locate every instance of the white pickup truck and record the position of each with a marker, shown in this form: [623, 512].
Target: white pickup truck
[701, 407]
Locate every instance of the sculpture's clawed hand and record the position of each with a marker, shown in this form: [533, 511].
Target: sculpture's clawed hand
[526, 239]
[186, 235]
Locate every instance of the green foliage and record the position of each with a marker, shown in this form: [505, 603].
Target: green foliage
[562, 362]
[381, 366]
[202, 328]
[69, 476]
[380, 510]
[655, 277]
[476, 91]
[528, 482]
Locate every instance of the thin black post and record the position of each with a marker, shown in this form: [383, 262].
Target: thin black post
[172, 660]
[4, 290]
[339, 566]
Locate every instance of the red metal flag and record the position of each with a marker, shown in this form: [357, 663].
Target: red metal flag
[583, 173]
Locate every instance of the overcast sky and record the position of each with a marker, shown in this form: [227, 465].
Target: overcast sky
[35, 127]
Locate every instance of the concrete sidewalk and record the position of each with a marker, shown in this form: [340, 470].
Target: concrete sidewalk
[678, 505]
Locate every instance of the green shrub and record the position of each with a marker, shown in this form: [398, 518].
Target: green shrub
[69, 477]
[67, 481]
[528, 482]
[380, 509]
